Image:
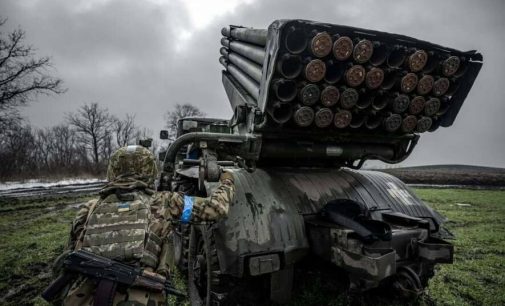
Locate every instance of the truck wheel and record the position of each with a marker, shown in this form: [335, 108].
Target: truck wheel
[205, 283]
[181, 247]
[407, 283]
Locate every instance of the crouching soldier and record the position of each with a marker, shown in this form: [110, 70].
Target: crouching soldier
[124, 233]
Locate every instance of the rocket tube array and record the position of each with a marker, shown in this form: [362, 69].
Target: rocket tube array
[328, 80]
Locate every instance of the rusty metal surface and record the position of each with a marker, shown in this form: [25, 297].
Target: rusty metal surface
[349, 98]
[330, 96]
[342, 119]
[409, 82]
[323, 117]
[304, 116]
[363, 51]
[321, 44]
[417, 105]
[355, 75]
[309, 94]
[342, 48]
[315, 70]
[374, 78]
[418, 60]
[441, 86]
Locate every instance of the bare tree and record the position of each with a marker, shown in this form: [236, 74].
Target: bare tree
[125, 130]
[16, 148]
[23, 76]
[180, 111]
[93, 125]
[9, 119]
[43, 149]
[64, 147]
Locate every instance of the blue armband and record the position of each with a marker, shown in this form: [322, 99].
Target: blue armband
[187, 210]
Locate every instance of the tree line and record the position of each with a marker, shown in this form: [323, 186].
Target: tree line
[81, 144]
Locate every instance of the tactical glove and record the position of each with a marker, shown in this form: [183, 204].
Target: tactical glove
[226, 176]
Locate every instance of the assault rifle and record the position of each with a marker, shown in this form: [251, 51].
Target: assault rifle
[108, 272]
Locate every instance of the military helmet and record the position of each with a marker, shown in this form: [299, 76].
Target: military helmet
[132, 161]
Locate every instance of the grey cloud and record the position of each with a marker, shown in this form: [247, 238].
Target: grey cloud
[124, 55]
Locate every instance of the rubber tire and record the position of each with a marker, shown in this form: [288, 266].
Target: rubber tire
[197, 233]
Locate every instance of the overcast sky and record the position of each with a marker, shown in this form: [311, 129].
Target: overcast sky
[143, 57]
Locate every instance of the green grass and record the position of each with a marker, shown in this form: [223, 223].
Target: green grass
[34, 233]
[31, 239]
[477, 276]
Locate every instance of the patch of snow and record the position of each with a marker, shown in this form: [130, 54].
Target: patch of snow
[463, 204]
[36, 183]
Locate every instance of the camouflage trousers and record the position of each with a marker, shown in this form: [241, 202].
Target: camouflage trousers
[82, 293]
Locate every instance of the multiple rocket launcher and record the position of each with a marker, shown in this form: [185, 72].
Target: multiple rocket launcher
[311, 75]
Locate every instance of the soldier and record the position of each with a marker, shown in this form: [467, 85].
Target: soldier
[130, 222]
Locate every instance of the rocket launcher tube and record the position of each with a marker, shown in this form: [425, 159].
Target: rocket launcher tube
[280, 112]
[348, 97]
[321, 44]
[295, 41]
[424, 124]
[374, 78]
[417, 60]
[334, 71]
[342, 48]
[365, 100]
[380, 102]
[323, 117]
[315, 70]
[373, 121]
[417, 105]
[397, 57]
[249, 84]
[342, 119]
[391, 76]
[409, 123]
[304, 116]
[289, 66]
[379, 54]
[330, 95]
[254, 36]
[425, 84]
[358, 119]
[252, 52]
[432, 107]
[363, 51]
[309, 94]
[249, 67]
[285, 90]
[393, 122]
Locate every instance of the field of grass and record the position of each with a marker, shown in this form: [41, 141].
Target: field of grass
[33, 233]
[477, 276]
[450, 174]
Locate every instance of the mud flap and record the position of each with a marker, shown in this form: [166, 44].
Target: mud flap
[436, 250]
[370, 267]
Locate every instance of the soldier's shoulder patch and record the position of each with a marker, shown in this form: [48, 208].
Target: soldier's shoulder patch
[123, 206]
